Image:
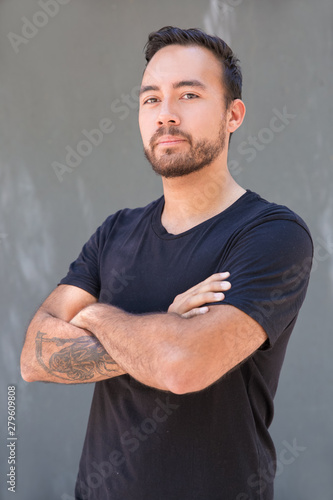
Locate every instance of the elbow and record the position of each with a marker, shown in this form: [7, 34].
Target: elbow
[185, 376]
[180, 388]
[26, 371]
[184, 385]
[26, 375]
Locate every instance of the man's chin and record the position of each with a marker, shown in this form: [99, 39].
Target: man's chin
[172, 172]
[171, 165]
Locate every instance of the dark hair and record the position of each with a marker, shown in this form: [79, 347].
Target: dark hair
[231, 71]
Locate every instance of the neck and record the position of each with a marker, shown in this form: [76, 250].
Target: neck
[196, 197]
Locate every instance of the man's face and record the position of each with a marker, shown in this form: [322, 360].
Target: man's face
[182, 114]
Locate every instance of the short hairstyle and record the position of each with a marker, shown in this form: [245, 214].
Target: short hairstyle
[231, 71]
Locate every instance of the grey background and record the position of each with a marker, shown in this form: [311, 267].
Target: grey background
[66, 78]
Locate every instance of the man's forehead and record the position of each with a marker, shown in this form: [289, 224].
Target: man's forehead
[176, 63]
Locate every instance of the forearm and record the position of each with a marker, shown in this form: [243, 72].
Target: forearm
[57, 351]
[146, 346]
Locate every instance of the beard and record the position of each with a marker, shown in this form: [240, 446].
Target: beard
[175, 164]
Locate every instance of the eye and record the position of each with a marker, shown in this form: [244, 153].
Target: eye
[189, 96]
[150, 100]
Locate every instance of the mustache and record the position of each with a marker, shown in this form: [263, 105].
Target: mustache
[169, 131]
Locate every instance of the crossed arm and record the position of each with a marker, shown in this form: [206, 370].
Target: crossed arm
[73, 339]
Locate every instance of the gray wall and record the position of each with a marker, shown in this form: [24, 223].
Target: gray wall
[66, 78]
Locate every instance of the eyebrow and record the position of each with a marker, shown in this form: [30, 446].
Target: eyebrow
[176, 85]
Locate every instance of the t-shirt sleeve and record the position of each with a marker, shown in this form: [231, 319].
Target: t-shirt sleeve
[269, 267]
[84, 272]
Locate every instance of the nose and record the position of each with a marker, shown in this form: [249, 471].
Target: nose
[167, 114]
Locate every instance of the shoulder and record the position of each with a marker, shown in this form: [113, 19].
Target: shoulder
[126, 217]
[260, 211]
[269, 233]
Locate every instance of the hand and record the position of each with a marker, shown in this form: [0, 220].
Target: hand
[190, 303]
[77, 320]
[80, 319]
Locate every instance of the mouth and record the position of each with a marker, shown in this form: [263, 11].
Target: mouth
[170, 141]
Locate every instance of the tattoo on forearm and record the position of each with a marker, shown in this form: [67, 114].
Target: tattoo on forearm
[82, 359]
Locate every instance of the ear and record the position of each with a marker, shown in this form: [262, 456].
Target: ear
[236, 113]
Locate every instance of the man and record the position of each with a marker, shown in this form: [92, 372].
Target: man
[186, 373]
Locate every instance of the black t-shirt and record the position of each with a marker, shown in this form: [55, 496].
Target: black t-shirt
[147, 444]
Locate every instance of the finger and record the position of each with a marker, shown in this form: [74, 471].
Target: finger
[214, 278]
[194, 297]
[213, 286]
[198, 300]
[195, 312]
[217, 276]
[211, 279]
